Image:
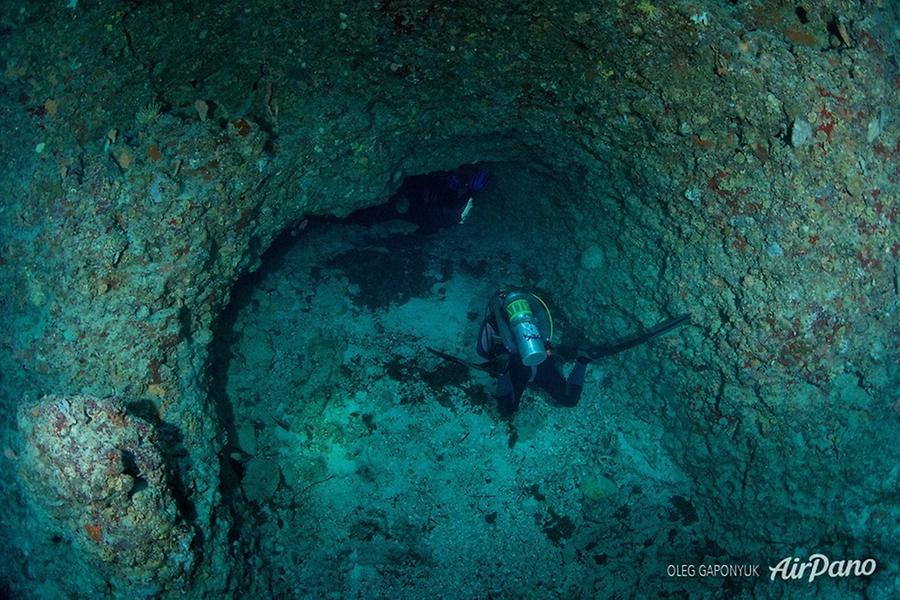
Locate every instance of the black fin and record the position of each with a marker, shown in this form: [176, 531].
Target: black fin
[627, 343]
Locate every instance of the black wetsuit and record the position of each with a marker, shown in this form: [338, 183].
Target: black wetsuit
[495, 339]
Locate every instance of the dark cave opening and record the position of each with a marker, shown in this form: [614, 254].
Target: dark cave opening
[431, 201]
[416, 249]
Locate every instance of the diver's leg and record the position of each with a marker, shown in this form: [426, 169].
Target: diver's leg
[507, 401]
[565, 392]
[550, 380]
[575, 383]
[511, 385]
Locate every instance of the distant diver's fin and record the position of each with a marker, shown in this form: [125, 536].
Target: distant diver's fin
[627, 343]
[491, 367]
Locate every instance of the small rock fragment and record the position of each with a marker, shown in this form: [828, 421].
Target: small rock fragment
[801, 133]
[873, 129]
[597, 487]
[592, 258]
[692, 194]
[124, 158]
[202, 109]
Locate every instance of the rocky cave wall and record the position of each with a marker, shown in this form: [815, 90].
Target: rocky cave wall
[736, 161]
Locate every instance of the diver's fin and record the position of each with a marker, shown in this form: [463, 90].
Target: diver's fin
[491, 367]
[627, 343]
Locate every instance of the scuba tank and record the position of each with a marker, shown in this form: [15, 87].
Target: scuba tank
[525, 328]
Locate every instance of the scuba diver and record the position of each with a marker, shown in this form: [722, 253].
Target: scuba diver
[432, 201]
[441, 199]
[517, 328]
[515, 338]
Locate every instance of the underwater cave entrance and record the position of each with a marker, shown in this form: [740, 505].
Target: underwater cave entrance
[336, 412]
[337, 297]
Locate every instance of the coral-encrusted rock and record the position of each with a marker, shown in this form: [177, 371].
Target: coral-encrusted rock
[98, 471]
